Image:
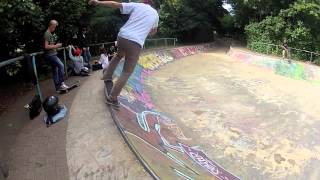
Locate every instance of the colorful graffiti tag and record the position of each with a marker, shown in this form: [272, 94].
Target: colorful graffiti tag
[294, 70]
[158, 139]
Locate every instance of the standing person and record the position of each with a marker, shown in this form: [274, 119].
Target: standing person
[84, 45]
[51, 46]
[285, 51]
[143, 21]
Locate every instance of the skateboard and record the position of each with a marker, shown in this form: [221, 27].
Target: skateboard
[72, 86]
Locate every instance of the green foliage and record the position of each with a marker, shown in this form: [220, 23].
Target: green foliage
[24, 22]
[228, 23]
[191, 20]
[104, 24]
[247, 11]
[299, 24]
[68, 14]
[21, 21]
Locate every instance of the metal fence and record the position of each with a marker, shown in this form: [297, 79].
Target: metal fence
[294, 53]
[94, 49]
[160, 42]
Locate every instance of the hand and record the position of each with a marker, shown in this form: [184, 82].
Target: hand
[59, 45]
[93, 2]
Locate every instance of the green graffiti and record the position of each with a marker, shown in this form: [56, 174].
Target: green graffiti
[294, 71]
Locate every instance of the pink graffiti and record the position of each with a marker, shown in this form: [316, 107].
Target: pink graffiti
[187, 51]
[177, 54]
[144, 96]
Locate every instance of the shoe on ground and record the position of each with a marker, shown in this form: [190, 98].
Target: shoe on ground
[114, 103]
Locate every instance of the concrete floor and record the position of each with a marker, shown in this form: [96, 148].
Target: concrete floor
[256, 124]
[95, 148]
[85, 145]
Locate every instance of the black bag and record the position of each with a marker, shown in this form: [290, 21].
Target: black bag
[4, 170]
[35, 107]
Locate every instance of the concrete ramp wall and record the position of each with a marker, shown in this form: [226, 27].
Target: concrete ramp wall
[295, 70]
[156, 139]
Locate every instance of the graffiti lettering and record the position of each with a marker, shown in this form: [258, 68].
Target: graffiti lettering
[200, 158]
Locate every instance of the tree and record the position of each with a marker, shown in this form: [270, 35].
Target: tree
[104, 23]
[69, 14]
[247, 11]
[299, 24]
[21, 22]
[189, 20]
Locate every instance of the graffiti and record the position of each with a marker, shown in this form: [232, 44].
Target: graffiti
[205, 162]
[164, 56]
[178, 132]
[181, 174]
[139, 118]
[177, 54]
[150, 62]
[187, 51]
[299, 71]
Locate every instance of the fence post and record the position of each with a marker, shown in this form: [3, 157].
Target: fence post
[65, 63]
[38, 90]
[165, 42]
[174, 41]
[311, 57]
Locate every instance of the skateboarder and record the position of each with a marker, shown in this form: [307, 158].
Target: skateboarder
[51, 46]
[143, 21]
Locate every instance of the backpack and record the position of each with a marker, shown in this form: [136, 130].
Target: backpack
[34, 107]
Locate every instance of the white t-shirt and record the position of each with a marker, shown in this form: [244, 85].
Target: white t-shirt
[142, 19]
[104, 61]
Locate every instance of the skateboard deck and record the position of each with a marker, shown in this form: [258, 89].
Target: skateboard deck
[72, 86]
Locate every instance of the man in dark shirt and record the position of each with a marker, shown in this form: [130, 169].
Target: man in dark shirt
[84, 45]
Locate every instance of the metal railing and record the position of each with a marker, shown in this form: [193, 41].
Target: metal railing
[160, 42]
[294, 53]
[148, 44]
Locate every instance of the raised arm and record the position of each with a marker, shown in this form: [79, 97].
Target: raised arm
[112, 4]
[71, 56]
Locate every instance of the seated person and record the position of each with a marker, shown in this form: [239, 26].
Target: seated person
[112, 51]
[103, 62]
[79, 66]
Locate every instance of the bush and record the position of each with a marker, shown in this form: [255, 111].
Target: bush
[298, 25]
